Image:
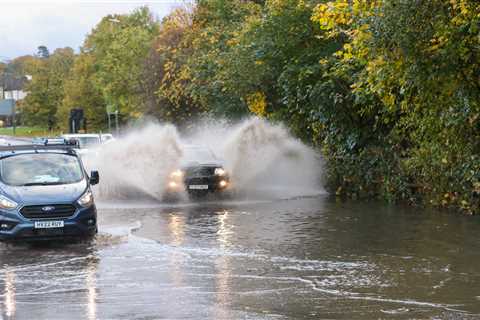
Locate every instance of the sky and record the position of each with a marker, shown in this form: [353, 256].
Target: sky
[25, 25]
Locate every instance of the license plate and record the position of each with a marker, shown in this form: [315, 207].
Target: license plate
[198, 187]
[48, 224]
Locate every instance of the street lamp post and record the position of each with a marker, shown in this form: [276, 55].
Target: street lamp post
[109, 123]
[116, 122]
[14, 120]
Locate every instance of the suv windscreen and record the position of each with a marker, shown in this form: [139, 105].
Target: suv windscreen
[198, 154]
[40, 169]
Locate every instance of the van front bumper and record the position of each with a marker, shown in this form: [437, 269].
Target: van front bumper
[82, 223]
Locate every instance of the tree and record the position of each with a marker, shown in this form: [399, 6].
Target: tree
[43, 52]
[420, 59]
[216, 24]
[170, 54]
[120, 44]
[18, 66]
[45, 91]
[282, 46]
[80, 91]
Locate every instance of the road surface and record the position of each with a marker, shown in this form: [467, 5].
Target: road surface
[305, 258]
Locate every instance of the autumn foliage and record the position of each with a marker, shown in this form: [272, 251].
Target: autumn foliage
[388, 90]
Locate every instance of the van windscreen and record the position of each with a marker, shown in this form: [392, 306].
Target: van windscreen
[40, 169]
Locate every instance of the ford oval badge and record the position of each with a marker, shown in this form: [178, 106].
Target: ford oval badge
[48, 209]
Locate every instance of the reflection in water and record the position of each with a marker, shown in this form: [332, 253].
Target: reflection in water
[223, 266]
[176, 225]
[216, 224]
[91, 281]
[35, 278]
[9, 294]
[224, 230]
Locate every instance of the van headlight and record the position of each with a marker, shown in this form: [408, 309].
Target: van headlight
[86, 200]
[6, 203]
[220, 172]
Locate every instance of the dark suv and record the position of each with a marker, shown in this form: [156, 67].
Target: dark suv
[45, 192]
[199, 173]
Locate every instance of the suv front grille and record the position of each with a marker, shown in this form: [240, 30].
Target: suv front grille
[59, 211]
[200, 171]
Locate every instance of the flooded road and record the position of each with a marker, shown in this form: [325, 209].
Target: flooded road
[306, 258]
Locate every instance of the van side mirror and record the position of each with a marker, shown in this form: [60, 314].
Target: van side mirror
[94, 177]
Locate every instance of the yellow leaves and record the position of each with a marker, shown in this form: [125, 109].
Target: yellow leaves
[348, 53]
[464, 11]
[332, 14]
[338, 54]
[257, 103]
[365, 6]
[389, 100]
[213, 40]
[323, 61]
[347, 56]
[476, 187]
[452, 198]
[233, 42]
[375, 64]
[454, 3]
[346, 17]
[301, 4]
[465, 205]
[436, 44]
[136, 114]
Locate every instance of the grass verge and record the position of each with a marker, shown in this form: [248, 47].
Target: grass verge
[29, 132]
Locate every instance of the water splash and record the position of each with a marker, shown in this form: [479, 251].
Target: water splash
[263, 156]
[263, 159]
[138, 164]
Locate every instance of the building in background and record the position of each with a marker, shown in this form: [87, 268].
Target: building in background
[11, 87]
[11, 91]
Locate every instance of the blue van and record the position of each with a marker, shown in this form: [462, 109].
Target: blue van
[45, 192]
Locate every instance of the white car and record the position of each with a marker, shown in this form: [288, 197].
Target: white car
[85, 140]
[106, 137]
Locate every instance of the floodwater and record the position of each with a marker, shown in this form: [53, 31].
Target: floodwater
[304, 258]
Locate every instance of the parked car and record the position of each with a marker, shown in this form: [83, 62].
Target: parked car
[106, 137]
[200, 172]
[45, 192]
[88, 141]
[85, 140]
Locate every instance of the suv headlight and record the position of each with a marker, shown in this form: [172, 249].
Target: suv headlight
[6, 203]
[177, 174]
[220, 172]
[86, 200]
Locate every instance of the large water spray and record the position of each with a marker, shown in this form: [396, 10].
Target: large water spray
[137, 164]
[263, 159]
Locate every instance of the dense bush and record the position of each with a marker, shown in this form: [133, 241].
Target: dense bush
[420, 61]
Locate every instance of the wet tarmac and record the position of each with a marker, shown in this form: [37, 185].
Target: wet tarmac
[305, 258]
